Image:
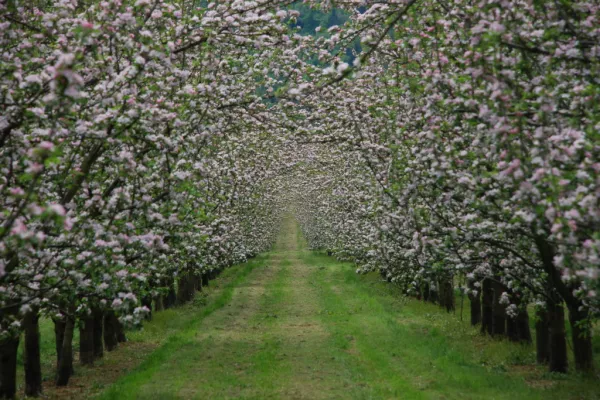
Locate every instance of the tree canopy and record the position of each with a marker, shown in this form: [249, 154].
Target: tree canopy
[146, 143]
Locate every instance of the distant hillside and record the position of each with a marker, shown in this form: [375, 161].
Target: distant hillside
[310, 18]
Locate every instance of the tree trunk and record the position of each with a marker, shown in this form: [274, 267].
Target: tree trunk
[181, 289]
[425, 291]
[121, 338]
[171, 297]
[9, 345]
[446, 294]
[86, 341]
[65, 365]
[418, 295]
[433, 294]
[475, 304]
[213, 274]
[547, 254]
[98, 316]
[542, 336]
[558, 342]
[499, 310]
[31, 355]
[582, 339]
[487, 301]
[185, 289]
[8, 367]
[384, 276]
[158, 303]
[205, 279]
[517, 327]
[191, 287]
[512, 331]
[523, 326]
[59, 333]
[110, 330]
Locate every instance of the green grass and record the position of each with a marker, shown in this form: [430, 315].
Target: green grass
[163, 332]
[184, 328]
[298, 324]
[433, 351]
[306, 326]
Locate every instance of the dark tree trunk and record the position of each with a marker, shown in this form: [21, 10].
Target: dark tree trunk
[487, 301]
[475, 304]
[542, 336]
[523, 326]
[8, 367]
[182, 296]
[433, 294]
[517, 327]
[158, 304]
[171, 297]
[582, 355]
[214, 273]
[425, 291]
[558, 342]
[121, 338]
[185, 289]
[59, 333]
[512, 331]
[65, 364]
[147, 301]
[499, 310]
[205, 279]
[31, 355]
[384, 276]
[98, 333]
[582, 339]
[86, 341]
[446, 294]
[9, 345]
[110, 330]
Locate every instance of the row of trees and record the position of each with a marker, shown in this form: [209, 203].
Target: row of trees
[135, 154]
[462, 148]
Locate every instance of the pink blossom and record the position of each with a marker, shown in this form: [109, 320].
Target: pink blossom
[16, 191]
[497, 27]
[57, 209]
[45, 145]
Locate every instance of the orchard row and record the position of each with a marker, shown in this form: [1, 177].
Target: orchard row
[135, 151]
[461, 150]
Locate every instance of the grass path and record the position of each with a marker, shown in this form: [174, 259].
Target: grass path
[297, 324]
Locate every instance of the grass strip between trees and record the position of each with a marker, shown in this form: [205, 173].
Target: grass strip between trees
[236, 276]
